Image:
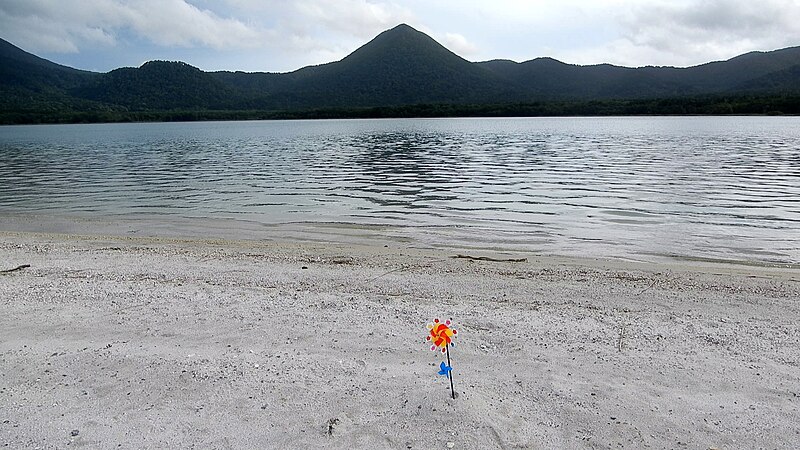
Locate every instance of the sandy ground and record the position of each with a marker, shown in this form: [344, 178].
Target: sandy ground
[148, 343]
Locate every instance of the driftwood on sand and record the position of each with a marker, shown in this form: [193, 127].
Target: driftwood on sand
[20, 267]
[486, 258]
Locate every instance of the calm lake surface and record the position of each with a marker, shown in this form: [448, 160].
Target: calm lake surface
[724, 188]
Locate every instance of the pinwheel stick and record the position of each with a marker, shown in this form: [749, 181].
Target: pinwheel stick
[450, 372]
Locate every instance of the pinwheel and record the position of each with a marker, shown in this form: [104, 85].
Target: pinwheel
[441, 335]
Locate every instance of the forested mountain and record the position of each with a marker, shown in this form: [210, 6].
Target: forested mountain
[400, 66]
[755, 72]
[28, 82]
[400, 70]
[158, 85]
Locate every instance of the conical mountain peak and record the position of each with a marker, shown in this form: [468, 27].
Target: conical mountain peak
[401, 66]
[402, 28]
[403, 42]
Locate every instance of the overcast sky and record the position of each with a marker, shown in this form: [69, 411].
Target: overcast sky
[284, 35]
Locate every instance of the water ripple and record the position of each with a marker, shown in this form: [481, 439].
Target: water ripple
[718, 188]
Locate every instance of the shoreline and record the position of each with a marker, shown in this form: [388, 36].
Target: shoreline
[249, 232]
[169, 342]
[553, 109]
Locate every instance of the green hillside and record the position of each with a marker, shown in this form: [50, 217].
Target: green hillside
[400, 66]
[158, 85]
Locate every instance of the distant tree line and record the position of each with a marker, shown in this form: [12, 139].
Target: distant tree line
[708, 105]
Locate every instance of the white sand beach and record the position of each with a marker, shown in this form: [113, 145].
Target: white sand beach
[115, 342]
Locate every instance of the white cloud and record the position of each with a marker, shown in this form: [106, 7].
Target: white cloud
[178, 23]
[629, 32]
[39, 27]
[684, 33]
[694, 32]
[68, 25]
[458, 44]
[360, 18]
[326, 30]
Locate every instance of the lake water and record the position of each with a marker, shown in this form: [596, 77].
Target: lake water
[718, 188]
